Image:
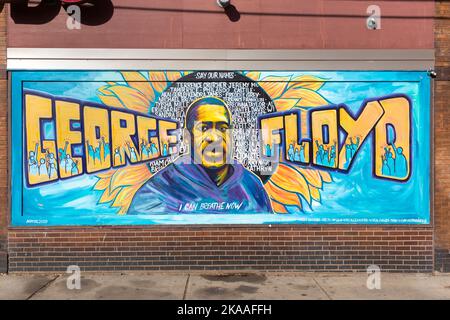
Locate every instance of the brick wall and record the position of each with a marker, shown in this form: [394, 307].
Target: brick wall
[3, 142]
[301, 248]
[442, 137]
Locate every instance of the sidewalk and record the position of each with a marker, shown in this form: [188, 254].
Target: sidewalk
[226, 286]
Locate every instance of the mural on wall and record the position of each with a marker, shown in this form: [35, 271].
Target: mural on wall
[184, 147]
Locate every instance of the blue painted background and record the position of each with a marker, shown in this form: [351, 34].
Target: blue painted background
[355, 197]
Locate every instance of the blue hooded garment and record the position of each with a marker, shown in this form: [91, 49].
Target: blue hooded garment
[184, 187]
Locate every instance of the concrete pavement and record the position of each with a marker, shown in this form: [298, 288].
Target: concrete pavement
[193, 286]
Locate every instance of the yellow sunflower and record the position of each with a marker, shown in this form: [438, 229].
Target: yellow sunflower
[286, 187]
[290, 183]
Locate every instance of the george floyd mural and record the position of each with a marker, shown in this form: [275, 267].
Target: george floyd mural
[220, 147]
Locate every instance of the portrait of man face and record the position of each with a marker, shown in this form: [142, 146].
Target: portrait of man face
[208, 179]
[208, 123]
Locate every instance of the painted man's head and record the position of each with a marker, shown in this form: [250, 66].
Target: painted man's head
[208, 121]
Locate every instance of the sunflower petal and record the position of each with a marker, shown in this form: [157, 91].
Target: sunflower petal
[122, 184]
[108, 97]
[307, 97]
[311, 175]
[131, 98]
[139, 82]
[125, 197]
[158, 79]
[326, 177]
[253, 75]
[307, 82]
[274, 85]
[281, 195]
[108, 196]
[285, 104]
[290, 179]
[130, 175]
[106, 174]
[278, 207]
[102, 183]
[315, 193]
[173, 75]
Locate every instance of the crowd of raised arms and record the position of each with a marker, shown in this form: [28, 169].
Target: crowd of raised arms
[324, 156]
[98, 153]
[147, 151]
[47, 167]
[394, 166]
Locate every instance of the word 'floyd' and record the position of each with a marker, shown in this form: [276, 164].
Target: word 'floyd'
[335, 136]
